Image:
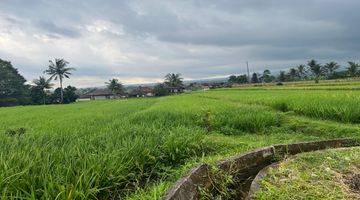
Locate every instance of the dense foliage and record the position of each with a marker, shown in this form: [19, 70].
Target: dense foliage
[161, 90]
[115, 86]
[69, 95]
[13, 90]
[38, 92]
[312, 71]
[173, 80]
[238, 79]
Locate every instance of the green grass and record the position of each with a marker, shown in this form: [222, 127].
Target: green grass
[331, 174]
[137, 148]
[321, 104]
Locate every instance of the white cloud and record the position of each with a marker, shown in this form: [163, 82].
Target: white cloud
[141, 41]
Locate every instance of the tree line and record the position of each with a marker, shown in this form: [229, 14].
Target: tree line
[313, 70]
[14, 89]
[171, 80]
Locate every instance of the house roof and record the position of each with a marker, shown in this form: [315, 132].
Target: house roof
[141, 90]
[99, 92]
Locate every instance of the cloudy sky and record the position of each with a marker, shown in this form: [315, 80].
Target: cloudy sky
[141, 41]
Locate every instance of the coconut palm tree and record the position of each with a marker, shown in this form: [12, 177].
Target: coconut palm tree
[331, 67]
[173, 80]
[282, 76]
[267, 77]
[42, 83]
[353, 69]
[58, 70]
[316, 69]
[293, 74]
[115, 86]
[302, 71]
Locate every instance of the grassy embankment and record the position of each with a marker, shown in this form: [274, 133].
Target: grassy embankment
[137, 148]
[330, 174]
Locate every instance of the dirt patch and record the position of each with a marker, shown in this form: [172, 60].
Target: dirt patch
[352, 181]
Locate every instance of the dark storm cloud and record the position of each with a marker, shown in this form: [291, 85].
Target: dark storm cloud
[198, 38]
[280, 23]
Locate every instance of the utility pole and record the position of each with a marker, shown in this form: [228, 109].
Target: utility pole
[248, 72]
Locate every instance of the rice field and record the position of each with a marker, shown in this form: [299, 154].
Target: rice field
[136, 148]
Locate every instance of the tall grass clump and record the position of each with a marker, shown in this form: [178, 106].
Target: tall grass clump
[281, 106]
[98, 152]
[242, 119]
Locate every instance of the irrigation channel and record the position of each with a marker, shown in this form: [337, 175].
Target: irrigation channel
[244, 168]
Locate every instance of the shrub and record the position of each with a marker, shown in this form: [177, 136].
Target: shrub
[281, 106]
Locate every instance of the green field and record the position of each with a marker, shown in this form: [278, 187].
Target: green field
[330, 174]
[136, 148]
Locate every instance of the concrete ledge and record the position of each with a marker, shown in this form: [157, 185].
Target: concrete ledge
[291, 149]
[187, 187]
[247, 160]
[244, 167]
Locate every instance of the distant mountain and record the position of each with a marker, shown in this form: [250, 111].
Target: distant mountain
[208, 80]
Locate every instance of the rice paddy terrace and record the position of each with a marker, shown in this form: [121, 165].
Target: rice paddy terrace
[137, 148]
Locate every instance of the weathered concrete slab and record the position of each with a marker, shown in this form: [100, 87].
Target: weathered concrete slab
[245, 166]
[247, 160]
[187, 187]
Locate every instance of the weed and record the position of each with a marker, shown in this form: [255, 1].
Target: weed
[220, 182]
[206, 122]
[15, 132]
